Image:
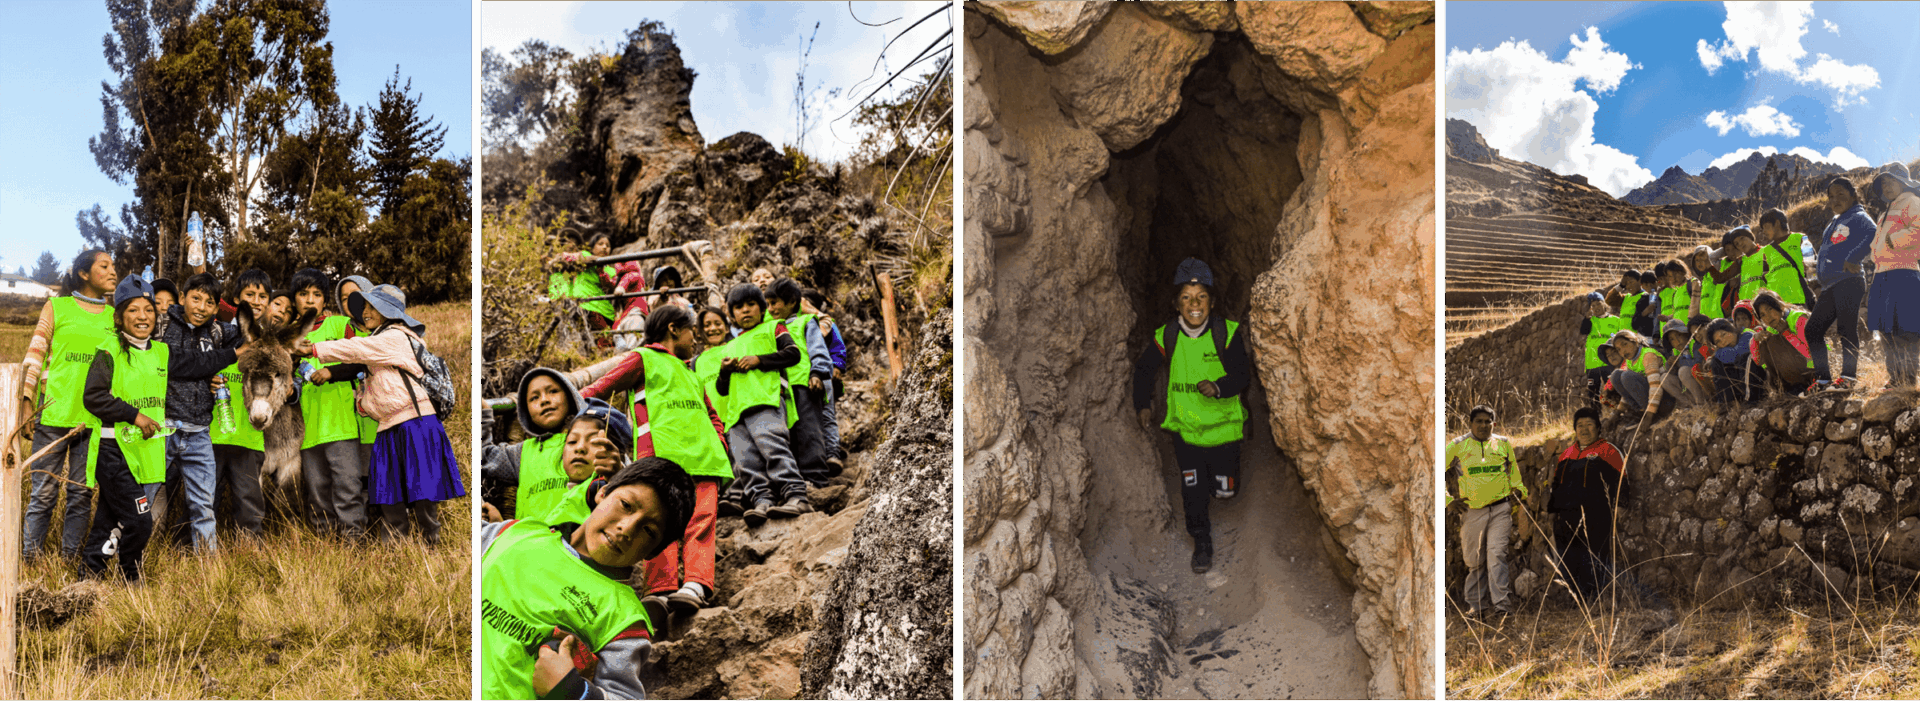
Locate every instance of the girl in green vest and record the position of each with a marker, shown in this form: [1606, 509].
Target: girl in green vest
[1207, 371]
[539, 579]
[672, 418]
[330, 449]
[1782, 344]
[126, 391]
[599, 441]
[809, 380]
[1707, 294]
[238, 447]
[759, 408]
[715, 331]
[55, 371]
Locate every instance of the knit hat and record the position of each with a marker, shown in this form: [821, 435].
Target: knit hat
[130, 288]
[1192, 271]
[618, 428]
[391, 302]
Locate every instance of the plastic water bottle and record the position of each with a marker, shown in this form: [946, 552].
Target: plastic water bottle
[196, 252]
[221, 406]
[306, 371]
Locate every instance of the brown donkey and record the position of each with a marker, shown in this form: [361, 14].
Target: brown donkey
[268, 384]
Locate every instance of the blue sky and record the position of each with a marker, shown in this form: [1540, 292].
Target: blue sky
[51, 67]
[746, 54]
[1621, 91]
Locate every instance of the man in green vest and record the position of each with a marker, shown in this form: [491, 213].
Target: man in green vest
[545, 403]
[1481, 464]
[1207, 371]
[1598, 328]
[557, 617]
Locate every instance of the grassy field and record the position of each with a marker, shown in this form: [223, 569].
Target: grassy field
[291, 615]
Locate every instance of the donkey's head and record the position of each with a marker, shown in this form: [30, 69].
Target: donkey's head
[266, 368]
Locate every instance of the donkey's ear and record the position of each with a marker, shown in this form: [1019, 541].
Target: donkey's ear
[249, 326]
[293, 331]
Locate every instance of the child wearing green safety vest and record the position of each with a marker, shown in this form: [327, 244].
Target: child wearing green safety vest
[1783, 271]
[238, 447]
[1207, 367]
[716, 332]
[1641, 372]
[126, 391]
[54, 374]
[672, 418]
[1482, 466]
[759, 409]
[545, 402]
[1707, 294]
[557, 617]
[1676, 296]
[599, 441]
[1598, 327]
[369, 428]
[1629, 296]
[577, 276]
[1781, 344]
[809, 380]
[330, 449]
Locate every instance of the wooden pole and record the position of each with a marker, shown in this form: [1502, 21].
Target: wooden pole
[892, 326]
[11, 472]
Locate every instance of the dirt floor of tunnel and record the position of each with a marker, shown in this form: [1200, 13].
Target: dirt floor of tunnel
[1273, 618]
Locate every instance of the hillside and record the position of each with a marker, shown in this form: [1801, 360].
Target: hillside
[1675, 186]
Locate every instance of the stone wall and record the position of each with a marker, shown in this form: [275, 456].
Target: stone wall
[1789, 500]
[1534, 365]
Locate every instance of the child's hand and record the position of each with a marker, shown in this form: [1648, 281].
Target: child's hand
[321, 376]
[813, 383]
[146, 424]
[219, 380]
[1209, 389]
[554, 665]
[302, 347]
[489, 512]
[747, 362]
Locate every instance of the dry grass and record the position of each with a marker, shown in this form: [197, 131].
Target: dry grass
[13, 342]
[291, 615]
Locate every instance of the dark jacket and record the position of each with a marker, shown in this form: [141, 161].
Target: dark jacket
[196, 354]
[98, 396]
[1847, 239]
[1153, 359]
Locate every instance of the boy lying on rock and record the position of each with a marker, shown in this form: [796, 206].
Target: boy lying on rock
[559, 619]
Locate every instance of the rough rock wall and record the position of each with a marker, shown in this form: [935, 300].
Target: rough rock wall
[1531, 366]
[640, 123]
[886, 627]
[1790, 500]
[1341, 324]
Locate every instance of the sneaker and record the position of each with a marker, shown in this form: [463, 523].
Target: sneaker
[656, 606]
[794, 506]
[758, 514]
[728, 507]
[690, 597]
[1202, 557]
[1844, 384]
[835, 466]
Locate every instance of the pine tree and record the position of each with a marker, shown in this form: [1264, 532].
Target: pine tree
[46, 271]
[404, 141]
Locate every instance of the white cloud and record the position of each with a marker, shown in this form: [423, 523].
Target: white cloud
[1533, 108]
[1831, 27]
[1770, 32]
[1758, 120]
[1839, 156]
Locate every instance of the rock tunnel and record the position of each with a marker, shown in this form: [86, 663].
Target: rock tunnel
[1106, 143]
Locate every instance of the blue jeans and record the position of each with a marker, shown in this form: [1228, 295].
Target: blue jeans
[1633, 388]
[190, 454]
[46, 492]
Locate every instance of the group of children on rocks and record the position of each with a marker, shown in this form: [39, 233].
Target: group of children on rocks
[154, 376]
[1733, 323]
[627, 466]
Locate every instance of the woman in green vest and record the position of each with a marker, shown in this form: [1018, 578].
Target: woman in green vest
[58, 355]
[672, 419]
[126, 391]
[1207, 370]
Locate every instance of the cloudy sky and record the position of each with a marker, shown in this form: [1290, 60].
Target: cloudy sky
[746, 54]
[51, 67]
[1619, 92]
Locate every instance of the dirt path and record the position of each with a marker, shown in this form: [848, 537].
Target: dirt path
[1272, 620]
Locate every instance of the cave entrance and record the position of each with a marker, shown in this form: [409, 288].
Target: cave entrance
[1272, 619]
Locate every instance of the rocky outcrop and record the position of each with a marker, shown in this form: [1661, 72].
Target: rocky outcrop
[1790, 500]
[1675, 186]
[885, 628]
[640, 133]
[1069, 220]
[1465, 143]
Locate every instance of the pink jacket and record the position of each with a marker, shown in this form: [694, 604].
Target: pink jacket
[383, 396]
[1897, 246]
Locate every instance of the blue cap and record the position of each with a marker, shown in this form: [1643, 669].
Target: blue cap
[614, 422]
[1594, 297]
[131, 287]
[1192, 271]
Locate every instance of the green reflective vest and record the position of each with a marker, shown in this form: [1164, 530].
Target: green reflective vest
[707, 368]
[1710, 293]
[588, 284]
[798, 373]
[233, 413]
[1487, 471]
[746, 390]
[677, 418]
[542, 478]
[1674, 302]
[77, 333]
[1753, 276]
[1783, 274]
[531, 583]
[1200, 420]
[140, 379]
[571, 507]
[1601, 329]
[1639, 364]
[328, 409]
[1631, 303]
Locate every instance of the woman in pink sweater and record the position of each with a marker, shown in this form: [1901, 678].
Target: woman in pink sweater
[413, 466]
[1893, 300]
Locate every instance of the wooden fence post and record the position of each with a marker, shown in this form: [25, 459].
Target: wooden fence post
[886, 312]
[11, 474]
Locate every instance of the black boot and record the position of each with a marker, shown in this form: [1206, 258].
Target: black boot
[1202, 555]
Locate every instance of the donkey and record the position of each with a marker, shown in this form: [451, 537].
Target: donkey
[266, 372]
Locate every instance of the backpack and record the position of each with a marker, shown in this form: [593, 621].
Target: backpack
[436, 380]
[1171, 333]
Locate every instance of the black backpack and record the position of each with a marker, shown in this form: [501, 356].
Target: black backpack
[436, 380]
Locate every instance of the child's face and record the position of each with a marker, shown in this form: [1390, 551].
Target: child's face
[308, 299]
[200, 307]
[277, 309]
[1838, 200]
[255, 296]
[1743, 319]
[601, 247]
[715, 328]
[1193, 304]
[1630, 284]
[1745, 245]
[101, 274]
[761, 278]
[138, 319]
[1598, 308]
[1723, 339]
[546, 402]
[588, 451]
[371, 318]
[782, 309]
[163, 299]
[1773, 318]
[626, 526]
[747, 315]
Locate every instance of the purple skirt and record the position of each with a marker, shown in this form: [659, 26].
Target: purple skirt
[413, 461]
[1893, 304]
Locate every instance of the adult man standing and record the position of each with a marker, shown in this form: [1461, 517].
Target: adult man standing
[1482, 464]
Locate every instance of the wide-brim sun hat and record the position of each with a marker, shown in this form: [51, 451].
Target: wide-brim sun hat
[389, 300]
